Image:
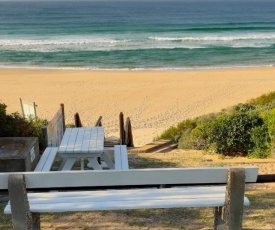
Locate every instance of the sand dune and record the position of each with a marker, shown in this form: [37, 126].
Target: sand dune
[153, 100]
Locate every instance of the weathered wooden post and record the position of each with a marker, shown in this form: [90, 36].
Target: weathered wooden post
[22, 218]
[121, 129]
[44, 137]
[218, 221]
[98, 122]
[77, 121]
[128, 133]
[234, 200]
[63, 115]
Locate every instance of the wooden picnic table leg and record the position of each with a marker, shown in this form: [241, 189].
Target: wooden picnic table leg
[67, 164]
[93, 163]
[82, 163]
[108, 161]
[22, 218]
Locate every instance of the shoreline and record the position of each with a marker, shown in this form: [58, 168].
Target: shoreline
[168, 69]
[154, 100]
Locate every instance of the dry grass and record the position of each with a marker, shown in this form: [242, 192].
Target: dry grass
[259, 215]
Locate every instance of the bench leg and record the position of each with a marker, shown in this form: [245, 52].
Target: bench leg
[20, 209]
[36, 221]
[233, 210]
[218, 221]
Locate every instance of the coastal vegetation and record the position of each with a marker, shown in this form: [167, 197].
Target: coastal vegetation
[246, 129]
[14, 125]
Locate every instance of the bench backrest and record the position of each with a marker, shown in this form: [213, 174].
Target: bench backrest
[157, 176]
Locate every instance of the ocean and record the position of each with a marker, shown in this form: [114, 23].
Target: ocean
[137, 35]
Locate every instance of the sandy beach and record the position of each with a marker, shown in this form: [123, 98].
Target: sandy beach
[153, 100]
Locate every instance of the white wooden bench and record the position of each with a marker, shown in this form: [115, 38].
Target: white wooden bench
[193, 189]
[46, 160]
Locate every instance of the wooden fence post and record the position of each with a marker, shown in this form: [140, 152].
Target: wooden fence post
[63, 114]
[44, 137]
[98, 122]
[128, 133]
[121, 129]
[77, 121]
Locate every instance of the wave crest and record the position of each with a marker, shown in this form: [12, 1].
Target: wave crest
[218, 38]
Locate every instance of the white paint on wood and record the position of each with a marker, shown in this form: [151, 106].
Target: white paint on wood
[68, 164]
[82, 140]
[93, 163]
[127, 199]
[206, 175]
[46, 161]
[82, 143]
[107, 160]
[121, 157]
[64, 142]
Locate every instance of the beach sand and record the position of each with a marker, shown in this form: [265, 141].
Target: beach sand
[153, 100]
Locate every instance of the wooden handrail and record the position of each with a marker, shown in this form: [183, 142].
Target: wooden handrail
[128, 133]
[121, 129]
[77, 120]
[98, 122]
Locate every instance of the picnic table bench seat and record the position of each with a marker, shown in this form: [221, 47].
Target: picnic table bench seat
[218, 187]
[120, 155]
[47, 159]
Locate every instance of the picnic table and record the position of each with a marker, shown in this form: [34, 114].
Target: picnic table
[80, 143]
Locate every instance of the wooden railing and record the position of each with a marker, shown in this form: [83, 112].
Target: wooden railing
[126, 135]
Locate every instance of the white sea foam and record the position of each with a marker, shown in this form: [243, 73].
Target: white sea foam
[8, 66]
[197, 38]
[142, 42]
[61, 44]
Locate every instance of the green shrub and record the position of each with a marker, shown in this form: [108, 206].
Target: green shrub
[232, 133]
[261, 142]
[193, 139]
[270, 122]
[186, 124]
[185, 140]
[14, 125]
[171, 133]
[243, 108]
[197, 138]
[207, 118]
[263, 99]
[244, 129]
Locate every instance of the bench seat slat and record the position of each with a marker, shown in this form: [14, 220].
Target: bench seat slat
[127, 199]
[127, 177]
[137, 194]
[118, 205]
[183, 191]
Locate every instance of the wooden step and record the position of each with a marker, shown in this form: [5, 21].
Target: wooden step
[167, 148]
[152, 147]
